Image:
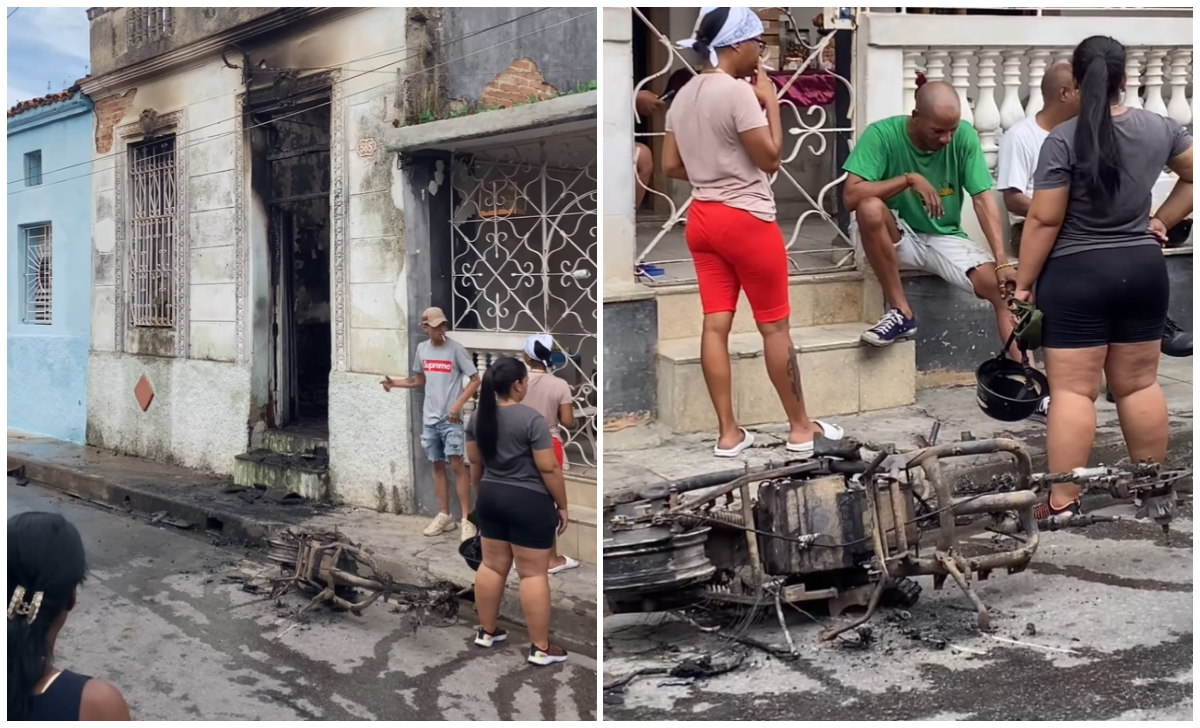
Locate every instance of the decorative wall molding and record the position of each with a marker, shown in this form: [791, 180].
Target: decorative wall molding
[183, 226]
[338, 151]
[239, 226]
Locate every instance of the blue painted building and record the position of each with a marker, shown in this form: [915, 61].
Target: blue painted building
[49, 264]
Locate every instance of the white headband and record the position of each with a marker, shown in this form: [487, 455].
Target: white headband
[741, 25]
[530, 348]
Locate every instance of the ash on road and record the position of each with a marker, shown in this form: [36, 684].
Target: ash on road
[1098, 628]
[157, 619]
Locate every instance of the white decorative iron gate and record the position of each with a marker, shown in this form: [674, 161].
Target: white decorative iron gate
[524, 262]
[813, 137]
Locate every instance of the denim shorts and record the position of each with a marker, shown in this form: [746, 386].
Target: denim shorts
[443, 440]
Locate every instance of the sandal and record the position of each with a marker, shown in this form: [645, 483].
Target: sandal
[738, 449]
[1043, 511]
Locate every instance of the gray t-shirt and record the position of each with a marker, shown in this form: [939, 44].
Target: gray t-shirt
[444, 368]
[1146, 142]
[520, 431]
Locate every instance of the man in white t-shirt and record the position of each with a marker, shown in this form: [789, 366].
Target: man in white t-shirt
[1020, 145]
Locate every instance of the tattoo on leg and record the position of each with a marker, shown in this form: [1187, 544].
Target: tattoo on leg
[794, 373]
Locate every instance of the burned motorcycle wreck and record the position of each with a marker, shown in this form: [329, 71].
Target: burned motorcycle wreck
[329, 567]
[846, 528]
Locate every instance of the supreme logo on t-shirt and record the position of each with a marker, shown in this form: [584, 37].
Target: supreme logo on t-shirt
[438, 366]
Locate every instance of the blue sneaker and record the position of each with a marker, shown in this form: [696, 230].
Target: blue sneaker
[892, 327]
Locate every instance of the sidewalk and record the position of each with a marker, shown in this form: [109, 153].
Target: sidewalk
[187, 495]
[648, 454]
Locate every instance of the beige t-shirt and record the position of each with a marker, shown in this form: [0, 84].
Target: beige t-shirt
[546, 393]
[707, 117]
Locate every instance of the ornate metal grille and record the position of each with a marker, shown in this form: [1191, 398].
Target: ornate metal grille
[815, 243]
[152, 231]
[524, 261]
[39, 274]
[146, 25]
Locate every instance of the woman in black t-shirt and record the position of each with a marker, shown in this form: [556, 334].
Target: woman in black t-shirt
[521, 506]
[45, 568]
[1091, 246]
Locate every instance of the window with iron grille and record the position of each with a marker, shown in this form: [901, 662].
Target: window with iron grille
[33, 168]
[152, 232]
[36, 252]
[147, 25]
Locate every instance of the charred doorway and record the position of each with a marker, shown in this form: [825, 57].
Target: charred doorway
[291, 143]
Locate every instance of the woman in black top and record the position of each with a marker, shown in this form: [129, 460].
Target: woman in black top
[1092, 247]
[521, 506]
[45, 567]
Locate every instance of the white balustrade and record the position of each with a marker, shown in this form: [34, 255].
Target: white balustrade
[1148, 69]
[1133, 77]
[960, 78]
[987, 114]
[1178, 108]
[1010, 108]
[935, 67]
[911, 68]
[1039, 59]
[1154, 82]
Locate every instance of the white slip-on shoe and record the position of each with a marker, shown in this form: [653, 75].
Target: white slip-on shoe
[571, 564]
[468, 530]
[805, 449]
[738, 449]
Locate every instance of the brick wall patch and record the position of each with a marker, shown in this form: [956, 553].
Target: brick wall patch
[109, 112]
[521, 82]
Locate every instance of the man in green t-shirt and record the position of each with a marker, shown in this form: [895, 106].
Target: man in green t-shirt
[906, 182]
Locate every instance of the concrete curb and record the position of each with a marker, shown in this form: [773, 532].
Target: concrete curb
[574, 625]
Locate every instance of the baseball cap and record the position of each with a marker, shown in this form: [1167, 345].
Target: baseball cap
[433, 316]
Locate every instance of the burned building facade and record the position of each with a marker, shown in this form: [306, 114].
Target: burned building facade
[256, 268]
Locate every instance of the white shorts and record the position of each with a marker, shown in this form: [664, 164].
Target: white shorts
[948, 257]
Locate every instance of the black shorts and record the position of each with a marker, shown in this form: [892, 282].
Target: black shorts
[1101, 297]
[516, 515]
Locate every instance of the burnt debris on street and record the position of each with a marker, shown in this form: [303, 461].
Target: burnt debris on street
[192, 631]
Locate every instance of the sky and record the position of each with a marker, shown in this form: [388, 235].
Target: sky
[46, 46]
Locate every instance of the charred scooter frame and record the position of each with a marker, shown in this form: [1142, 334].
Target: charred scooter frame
[835, 528]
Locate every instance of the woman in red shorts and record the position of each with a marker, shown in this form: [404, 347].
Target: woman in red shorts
[723, 135]
[551, 397]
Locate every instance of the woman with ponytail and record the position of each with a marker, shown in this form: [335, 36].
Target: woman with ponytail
[551, 398]
[724, 137]
[521, 506]
[45, 568]
[1091, 261]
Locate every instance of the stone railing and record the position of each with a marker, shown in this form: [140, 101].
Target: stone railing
[997, 63]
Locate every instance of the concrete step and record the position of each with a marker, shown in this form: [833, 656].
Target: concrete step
[817, 300]
[579, 540]
[840, 375]
[290, 442]
[306, 475]
[580, 492]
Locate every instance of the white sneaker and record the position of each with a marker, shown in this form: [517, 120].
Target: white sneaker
[442, 523]
[468, 530]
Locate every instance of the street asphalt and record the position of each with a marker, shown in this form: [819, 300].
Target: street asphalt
[159, 619]
[1098, 628]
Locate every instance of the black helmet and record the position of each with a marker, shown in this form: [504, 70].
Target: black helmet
[1008, 390]
[472, 552]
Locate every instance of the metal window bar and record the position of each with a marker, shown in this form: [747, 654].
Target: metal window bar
[39, 273]
[146, 25]
[152, 232]
[802, 133]
[33, 168]
[524, 261]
